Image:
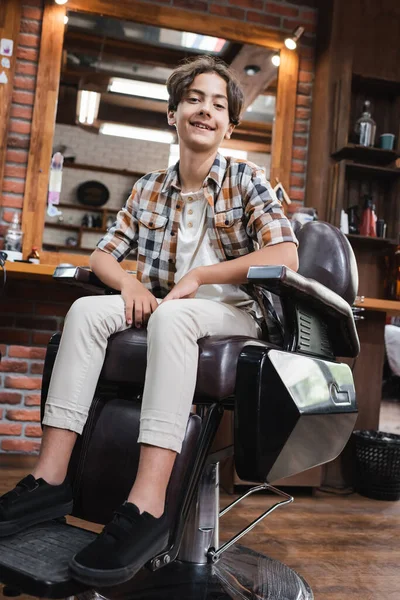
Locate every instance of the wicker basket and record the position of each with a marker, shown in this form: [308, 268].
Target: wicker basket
[377, 464]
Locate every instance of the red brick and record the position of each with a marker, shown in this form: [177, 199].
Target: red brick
[8, 215]
[294, 207]
[3, 349]
[299, 141]
[23, 382]
[297, 181]
[299, 153]
[13, 171]
[41, 339]
[36, 323]
[297, 194]
[227, 11]
[304, 89]
[17, 156]
[30, 26]
[279, 9]
[20, 446]
[15, 141]
[306, 64]
[303, 113]
[29, 39]
[33, 431]
[53, 310]
[29, 12]
[10, 429]
[31, 54]
[13, 366]
[26, 68]
[37, 368]
[24, 352]
[303, 101]
[16, 187]
[309, 15]
[306, 77]
[37, 3]
[10, 398]
[12, 202]
[292, 24]
[22, 82]
[306, 52]
[16, 414]
[12, 336]
[7, 321]
[1, 413]
[254, 4]
[32, 400]
[15, 306]
[264, 19]
[298, 167]
[301, 127]
[197, 5]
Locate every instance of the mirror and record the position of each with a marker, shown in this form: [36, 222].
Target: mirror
[111, 125]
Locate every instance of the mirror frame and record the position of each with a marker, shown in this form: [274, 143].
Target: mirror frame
[48, 80]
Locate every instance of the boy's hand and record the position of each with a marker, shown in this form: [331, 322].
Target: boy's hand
[186, 288]
[139, 302]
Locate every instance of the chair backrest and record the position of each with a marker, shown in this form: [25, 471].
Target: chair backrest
[325, 255]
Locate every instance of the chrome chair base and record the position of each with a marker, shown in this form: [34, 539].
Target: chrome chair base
[239, 574]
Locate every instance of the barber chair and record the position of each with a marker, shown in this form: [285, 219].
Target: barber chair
[294, 408]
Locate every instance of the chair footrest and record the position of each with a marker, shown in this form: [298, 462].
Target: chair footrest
[35, 561]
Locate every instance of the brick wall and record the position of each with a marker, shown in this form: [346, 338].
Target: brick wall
[30, 312]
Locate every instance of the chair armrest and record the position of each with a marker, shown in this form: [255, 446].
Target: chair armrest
[294, 290]
[82, 277]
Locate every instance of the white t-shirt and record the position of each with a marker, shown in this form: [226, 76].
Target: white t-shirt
[194, 249]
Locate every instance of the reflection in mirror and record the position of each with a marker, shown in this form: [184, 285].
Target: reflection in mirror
[111, 125]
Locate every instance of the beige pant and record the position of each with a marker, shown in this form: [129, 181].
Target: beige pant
[172, 357]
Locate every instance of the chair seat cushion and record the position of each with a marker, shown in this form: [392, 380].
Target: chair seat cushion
[126, 360]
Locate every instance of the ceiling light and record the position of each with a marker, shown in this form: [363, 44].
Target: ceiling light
[61, 1]
[251, 70]
[88, 106]
[137, 133]
[291, 42]
[276, 59]
[157, 91]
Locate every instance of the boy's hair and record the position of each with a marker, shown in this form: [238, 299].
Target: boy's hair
[182, 77]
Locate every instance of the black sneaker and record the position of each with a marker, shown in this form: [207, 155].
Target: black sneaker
[33, 501]
[123, 547]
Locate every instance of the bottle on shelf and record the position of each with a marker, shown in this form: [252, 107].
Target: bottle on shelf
[368, 220]
[13, 239]
[34, 256]
[365, 127]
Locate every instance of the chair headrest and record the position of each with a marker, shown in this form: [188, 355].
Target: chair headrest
[325, 255]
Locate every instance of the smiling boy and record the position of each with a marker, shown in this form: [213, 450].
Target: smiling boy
[195, 226]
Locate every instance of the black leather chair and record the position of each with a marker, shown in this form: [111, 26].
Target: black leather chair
[294, 408]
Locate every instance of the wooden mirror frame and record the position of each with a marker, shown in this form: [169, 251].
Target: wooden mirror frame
[48, 80]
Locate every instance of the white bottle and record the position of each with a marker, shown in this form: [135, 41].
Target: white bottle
[13, 240]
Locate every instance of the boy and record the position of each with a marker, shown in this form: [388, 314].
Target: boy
[194, 226]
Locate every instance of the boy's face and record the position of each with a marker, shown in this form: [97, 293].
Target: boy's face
[202, 115]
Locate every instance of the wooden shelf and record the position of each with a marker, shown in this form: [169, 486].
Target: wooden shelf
[375, 170]
[100, 169]
[89, 208]
[366, 239]
[75, 227]
[368, 155]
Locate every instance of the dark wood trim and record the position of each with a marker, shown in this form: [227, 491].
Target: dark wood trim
[43, 124]
[10, 18]
[172, 17]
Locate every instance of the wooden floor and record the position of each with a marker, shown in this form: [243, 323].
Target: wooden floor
[346, 547]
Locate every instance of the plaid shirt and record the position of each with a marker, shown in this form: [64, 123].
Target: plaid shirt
[242, 210]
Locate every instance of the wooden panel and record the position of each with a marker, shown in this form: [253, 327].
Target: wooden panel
[282, 136]
[43, 124]
[176, 18]
[10, 16]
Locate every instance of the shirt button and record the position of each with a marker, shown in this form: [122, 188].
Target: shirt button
[190, 224]
[178, 206]
[172, 233]
[190, 199]
[190, 212]
[171, 260]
